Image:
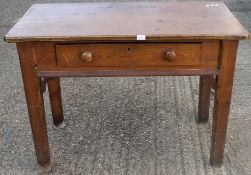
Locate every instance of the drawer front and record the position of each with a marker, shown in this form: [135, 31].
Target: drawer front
[128, 55]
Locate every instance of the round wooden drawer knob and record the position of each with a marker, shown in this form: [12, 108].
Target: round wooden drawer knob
[170, 55]
[86, 56]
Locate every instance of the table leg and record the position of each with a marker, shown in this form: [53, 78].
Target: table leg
[223, 92]
[56, 101]
[204, 98]
[35, 103]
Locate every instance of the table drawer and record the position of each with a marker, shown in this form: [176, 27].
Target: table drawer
[128, 55]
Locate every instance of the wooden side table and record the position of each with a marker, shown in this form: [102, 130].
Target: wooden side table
[127, 39]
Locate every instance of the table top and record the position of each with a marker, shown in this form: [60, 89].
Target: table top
[127, 21]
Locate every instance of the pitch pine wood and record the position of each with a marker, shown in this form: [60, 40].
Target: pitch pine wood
[122, 72]
[204, 98]
[35, 103]
[124, 21]
[51, 37]
[223, 93]
[55, 100]
[49, 65]
[128, 55]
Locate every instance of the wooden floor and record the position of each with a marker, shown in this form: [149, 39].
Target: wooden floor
[114, 126]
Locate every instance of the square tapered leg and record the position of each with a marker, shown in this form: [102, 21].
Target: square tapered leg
[35, 103]
[204, 98]
[223, 91]
[55, 100]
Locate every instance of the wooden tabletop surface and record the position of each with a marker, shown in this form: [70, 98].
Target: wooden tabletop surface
[126, 21]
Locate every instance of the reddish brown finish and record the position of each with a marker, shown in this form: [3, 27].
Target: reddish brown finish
[146, 71]
[55, 99]
[128, 55]
[170, 55]
[223, 92]
[56, 40]
[124, 21]
[204, 98]
[210, 52]
[35, 103]
[86, 56]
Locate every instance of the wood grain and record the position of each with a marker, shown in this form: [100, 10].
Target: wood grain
[128, 55]
[55, 100]
[223, 93]
[204, 98]
[104, 72]
[201, 38]
[210, 52]
[35, 103]
[124, 21]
